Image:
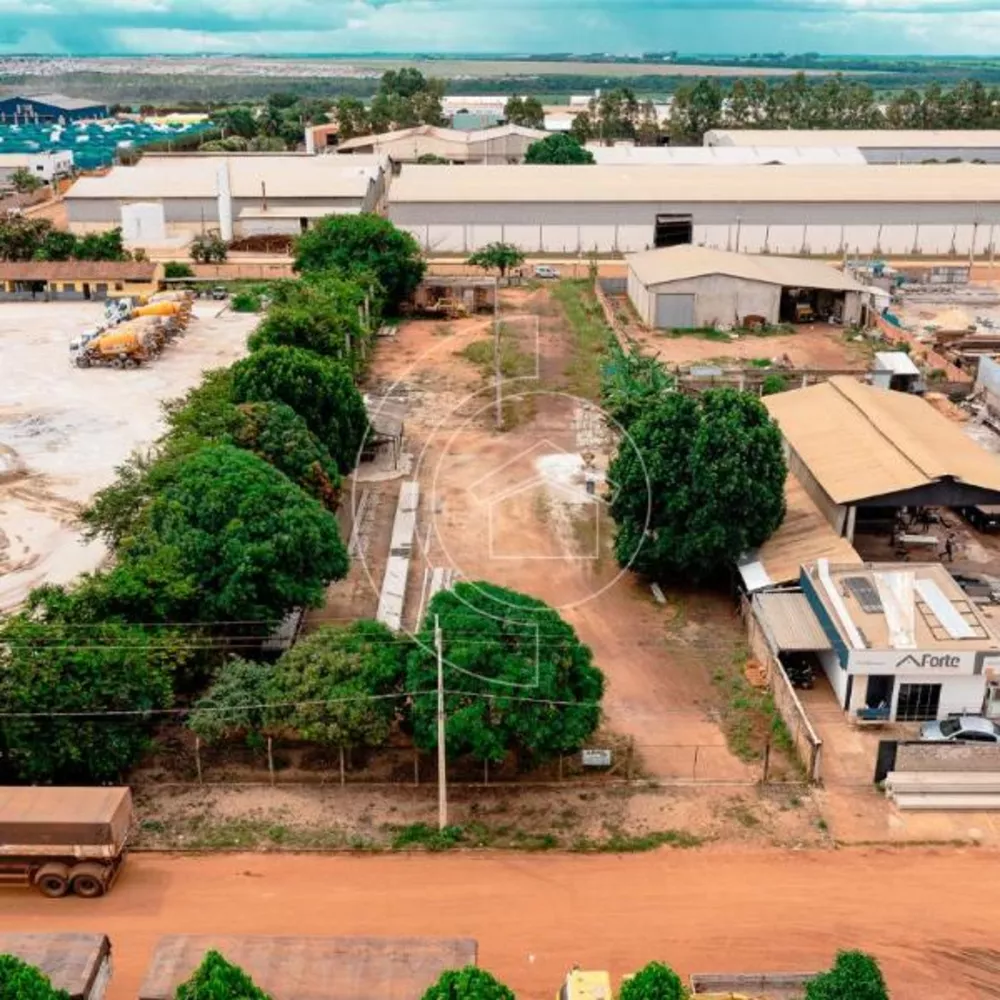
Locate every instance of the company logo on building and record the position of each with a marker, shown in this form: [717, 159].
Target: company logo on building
[929, 660]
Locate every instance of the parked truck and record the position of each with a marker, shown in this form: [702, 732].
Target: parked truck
[64, 840]
[121, 347]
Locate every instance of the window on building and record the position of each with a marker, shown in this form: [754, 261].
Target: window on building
[918, 702]
[673, 230]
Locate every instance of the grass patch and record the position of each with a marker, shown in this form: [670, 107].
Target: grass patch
[514, 364]
[591, 337]
[618, 842]
[749, 716]
[206, 833]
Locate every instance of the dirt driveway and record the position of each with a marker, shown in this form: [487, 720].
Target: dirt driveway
[511, 507]
[713, 909]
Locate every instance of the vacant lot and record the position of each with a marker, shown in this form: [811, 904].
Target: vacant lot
[63, 429]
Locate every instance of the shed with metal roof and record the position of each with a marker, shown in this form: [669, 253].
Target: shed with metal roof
[856, 447]
[29, 108]
[692, 287]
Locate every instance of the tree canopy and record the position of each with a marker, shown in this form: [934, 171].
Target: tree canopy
[56, 658]
[697, 483]
[499, 256]
[229, 538]
[558, 148]
[526, 111]
[470, 983]
[348, 243]
[654, 981]
[320, 390]
[20, 981]
[24, 238]
[854, 976]
[631, 383]
[518, 677]
[218, 979]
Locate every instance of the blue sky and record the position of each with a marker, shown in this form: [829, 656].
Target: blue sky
[313, 26]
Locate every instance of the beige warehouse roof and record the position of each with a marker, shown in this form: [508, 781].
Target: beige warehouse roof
[946, 183]
[863, 138]
[658, 267]
[861, 442]
[789, 621]
[460, 137]
[197, 177]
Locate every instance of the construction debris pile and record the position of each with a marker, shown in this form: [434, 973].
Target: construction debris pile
[134, 330]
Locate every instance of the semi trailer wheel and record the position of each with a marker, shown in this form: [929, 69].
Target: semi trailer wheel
[87, 881]
[53, 880]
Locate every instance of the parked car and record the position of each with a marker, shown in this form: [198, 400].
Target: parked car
[546, 271]
[961, 728]
[220, 292]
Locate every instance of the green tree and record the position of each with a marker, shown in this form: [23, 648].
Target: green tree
[632, 383]
[319, 390]
[500, 256]
[24, 181]
[352, 118]
[773, 384]
[337, 684]
[525, 111]
[519, 678]
[226, 538]
[177, 269]
[654, 981]
[236, 121]
[20, 237]
[470, 983]
[101, 246]
[209, 248]
[218, 979]
[20, 981]
[282, 99]
[368, 243]
[558, 148]
[431, 159]
[237, 703]
[58, 656]
[697, 482]
[854, 976]
[57, 245]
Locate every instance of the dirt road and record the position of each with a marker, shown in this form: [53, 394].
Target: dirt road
[711, 909]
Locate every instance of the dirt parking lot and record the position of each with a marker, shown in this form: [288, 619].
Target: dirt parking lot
[63, 429]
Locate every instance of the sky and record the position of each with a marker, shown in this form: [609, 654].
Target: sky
[889, 27]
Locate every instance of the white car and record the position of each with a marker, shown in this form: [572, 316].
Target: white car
[546, 271]
[963, 729]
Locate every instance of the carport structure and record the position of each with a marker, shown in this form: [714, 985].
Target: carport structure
[856, 448]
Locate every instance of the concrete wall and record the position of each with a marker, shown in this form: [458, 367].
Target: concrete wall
[778, 227]
[721, 300]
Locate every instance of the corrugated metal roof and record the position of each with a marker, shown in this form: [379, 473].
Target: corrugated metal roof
[861, 138]
[59, 101]
[789, 622]
[725, 156]
[79, 270]
[197, 177]
[460, 137]
[897, 362]
[945, 183]
[804, 536]
[657, 267]
[861, 442]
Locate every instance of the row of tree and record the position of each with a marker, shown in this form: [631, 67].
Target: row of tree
[276, 125]
[854, 976]
[23, 238]
[217, 532]
[405, 98]
[834, 102]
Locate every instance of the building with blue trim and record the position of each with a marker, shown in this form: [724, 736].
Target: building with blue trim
[28, 109]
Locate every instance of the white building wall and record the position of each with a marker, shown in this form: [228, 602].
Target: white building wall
[721, 300]
[641, 297]
[836, 676]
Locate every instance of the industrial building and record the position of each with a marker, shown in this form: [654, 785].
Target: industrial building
[77, 280]
[503, 144]
[44, 166]
[862, 453]
[687, 287]
[627, 155]
[795, 210]
[876, 145]
[173, 197]
[36, 108]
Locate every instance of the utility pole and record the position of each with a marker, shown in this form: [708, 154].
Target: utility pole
[442, 756]
[496, 353]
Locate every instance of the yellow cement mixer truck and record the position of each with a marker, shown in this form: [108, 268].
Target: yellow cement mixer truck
[125, 346]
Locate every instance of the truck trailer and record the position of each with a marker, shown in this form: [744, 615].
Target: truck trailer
[64, 840]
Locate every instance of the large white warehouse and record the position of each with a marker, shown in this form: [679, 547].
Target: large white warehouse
[876, 145]
[791, 210]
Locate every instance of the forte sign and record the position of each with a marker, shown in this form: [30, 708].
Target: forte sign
[869, 661]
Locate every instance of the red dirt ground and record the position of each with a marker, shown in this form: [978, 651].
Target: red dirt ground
[713, 909]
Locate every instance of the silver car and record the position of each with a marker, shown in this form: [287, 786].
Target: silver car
[961, 728]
